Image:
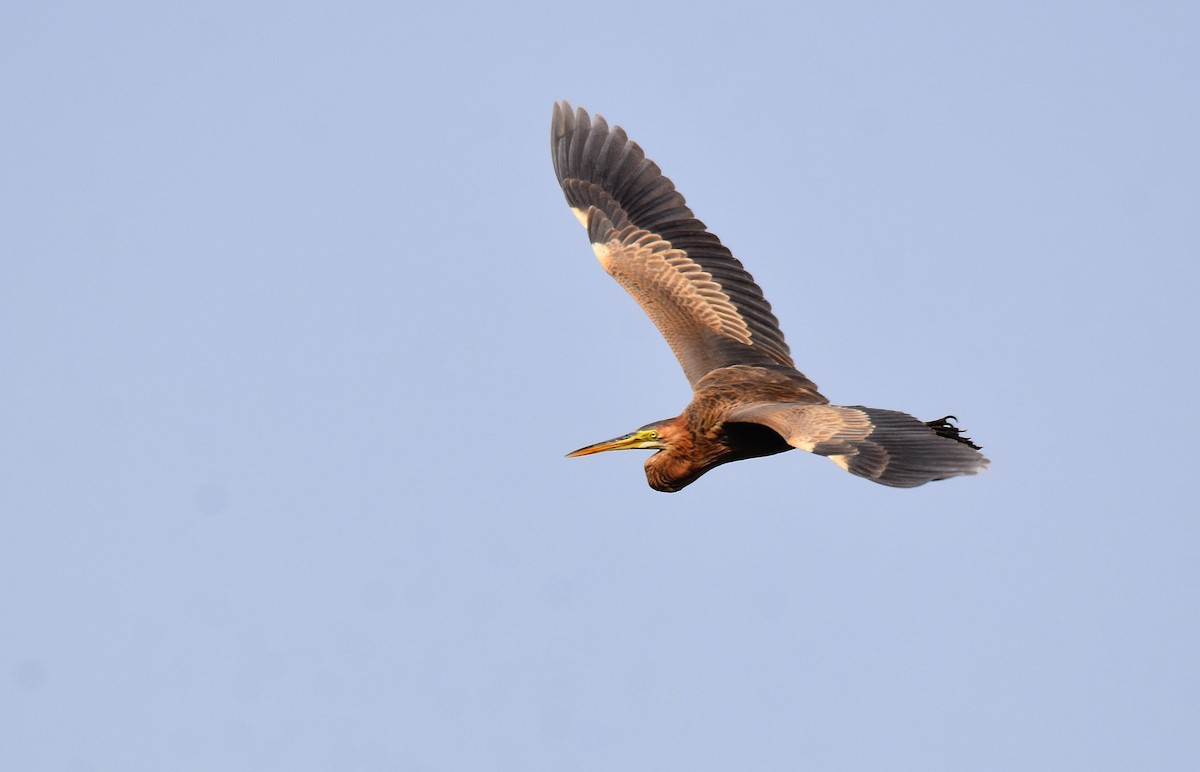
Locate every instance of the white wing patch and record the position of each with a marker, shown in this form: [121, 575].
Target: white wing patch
[842, 461]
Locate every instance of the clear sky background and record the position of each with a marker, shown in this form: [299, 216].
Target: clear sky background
[295, 329]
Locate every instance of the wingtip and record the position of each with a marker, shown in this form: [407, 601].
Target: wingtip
[567, 118]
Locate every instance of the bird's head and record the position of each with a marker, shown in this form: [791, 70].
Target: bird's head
[653, 436]
[668, 471]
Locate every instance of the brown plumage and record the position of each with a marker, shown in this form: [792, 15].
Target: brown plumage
[749, 399]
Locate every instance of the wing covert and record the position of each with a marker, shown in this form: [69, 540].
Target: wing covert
[698, 294]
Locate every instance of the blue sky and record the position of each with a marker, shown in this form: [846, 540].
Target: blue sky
[296, 329]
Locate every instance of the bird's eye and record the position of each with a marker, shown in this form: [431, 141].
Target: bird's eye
[653, 435]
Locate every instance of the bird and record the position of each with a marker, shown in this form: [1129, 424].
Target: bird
[748, 399]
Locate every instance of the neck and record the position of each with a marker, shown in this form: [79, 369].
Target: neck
[681, 461]
[667, 472]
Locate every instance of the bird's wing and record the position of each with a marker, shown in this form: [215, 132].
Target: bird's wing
[885, 446]
[703, 301]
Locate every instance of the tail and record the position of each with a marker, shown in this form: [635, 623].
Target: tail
[902, 451]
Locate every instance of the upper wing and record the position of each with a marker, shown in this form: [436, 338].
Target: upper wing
[702, 300]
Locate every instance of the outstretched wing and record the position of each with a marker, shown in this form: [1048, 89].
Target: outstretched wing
[885, 446]
[697, 293]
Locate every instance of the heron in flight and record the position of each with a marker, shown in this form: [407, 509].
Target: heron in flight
[748, 399]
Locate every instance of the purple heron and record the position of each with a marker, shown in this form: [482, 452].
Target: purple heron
[749, 400]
